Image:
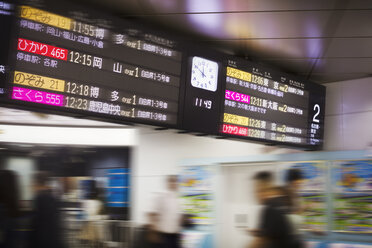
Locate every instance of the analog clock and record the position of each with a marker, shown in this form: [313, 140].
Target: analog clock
[204, 74]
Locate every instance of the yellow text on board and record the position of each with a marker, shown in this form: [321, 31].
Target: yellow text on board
[235, 119]
[37, 81]
[239, 74]
[45, 17]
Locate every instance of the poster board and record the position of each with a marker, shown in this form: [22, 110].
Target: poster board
[312, 192]
[352, 192]
[197, 193]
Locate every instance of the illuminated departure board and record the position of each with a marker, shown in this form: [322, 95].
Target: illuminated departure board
[101, 66]
[63, 58]
[265, 105]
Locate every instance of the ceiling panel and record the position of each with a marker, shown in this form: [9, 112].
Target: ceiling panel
[193, 6]
[344, 65]
[261, 25]
[276, 48]
[329, 78]
[355, 24]
[297, 66]
[360, 4]
[350, 47]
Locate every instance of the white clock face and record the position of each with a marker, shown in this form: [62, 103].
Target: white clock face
[204, 74]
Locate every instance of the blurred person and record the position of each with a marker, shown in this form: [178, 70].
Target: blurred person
[148, 236]
[170, 217]
[46, 224]
[92, 208]
[274, 229]
[9, 208]
[294, 180]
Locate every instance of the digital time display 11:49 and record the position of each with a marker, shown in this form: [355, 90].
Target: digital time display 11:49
[203, 103]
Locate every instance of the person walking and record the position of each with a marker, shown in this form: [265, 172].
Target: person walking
[169, 212]
[294, 180]
[9, 209]
[274, 229]
[46, 224]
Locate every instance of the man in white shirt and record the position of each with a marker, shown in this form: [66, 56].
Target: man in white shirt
[168, 206]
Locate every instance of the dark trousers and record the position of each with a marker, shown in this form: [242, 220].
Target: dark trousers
[171, 240]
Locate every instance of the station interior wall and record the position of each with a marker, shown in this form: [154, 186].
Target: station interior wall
[348, 115]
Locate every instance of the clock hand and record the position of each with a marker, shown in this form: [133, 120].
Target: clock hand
[202, 72]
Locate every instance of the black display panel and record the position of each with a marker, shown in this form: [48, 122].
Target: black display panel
[70, 60]
[203, 90]
[265, 105]
[6, 16]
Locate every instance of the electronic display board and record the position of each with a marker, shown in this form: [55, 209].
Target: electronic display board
[266, 105]
[85, 62]
[69, 59]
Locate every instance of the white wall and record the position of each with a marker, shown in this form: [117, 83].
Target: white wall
[348, 115]
[238, 198]
[159, 153]
[68, 135]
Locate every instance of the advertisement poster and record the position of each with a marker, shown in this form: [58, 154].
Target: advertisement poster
[352, 188]
[315, 244]
[197, 197]
[342, 245]
[196, 239]
[312, 192]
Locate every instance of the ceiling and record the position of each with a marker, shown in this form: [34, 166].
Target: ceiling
[321, 40]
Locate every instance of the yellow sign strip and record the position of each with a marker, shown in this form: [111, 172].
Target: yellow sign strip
[37, 81]
[239, 74]
[45, 17]
[235, 119]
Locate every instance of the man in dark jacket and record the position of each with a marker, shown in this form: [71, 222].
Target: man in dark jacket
[46, 222]
[274, 230]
